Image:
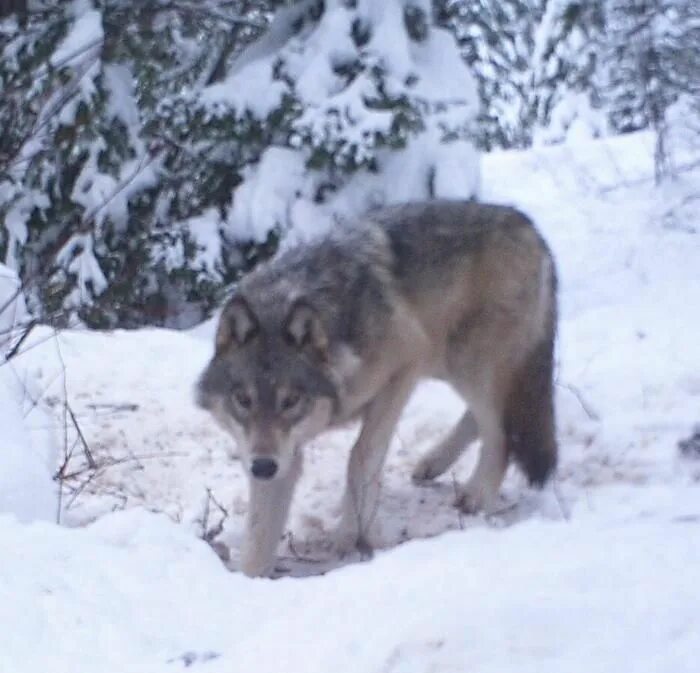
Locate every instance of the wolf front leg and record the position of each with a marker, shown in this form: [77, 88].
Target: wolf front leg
[367, 458]
[268, 506]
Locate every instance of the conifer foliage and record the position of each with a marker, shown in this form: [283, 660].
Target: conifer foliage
[103, 161]
[653, 54]
[157, 149]
[152, 151]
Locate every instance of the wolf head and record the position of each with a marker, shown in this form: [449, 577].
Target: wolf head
[267, 383]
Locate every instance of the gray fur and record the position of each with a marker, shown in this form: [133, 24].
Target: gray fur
[346, 326]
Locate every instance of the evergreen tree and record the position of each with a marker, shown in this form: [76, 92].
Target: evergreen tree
[653, 59]
[105, 159]
[139, 133]
[497, 38]
[566, 66]
[346, 88]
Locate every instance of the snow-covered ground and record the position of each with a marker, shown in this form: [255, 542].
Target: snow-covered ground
[26, 458]
[600, 572]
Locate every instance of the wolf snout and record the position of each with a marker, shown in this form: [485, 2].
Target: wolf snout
[263, 468]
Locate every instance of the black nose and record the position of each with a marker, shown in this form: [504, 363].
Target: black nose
[263, 468]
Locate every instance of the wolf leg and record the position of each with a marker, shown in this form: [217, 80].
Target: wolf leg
[445, 454]
[480, 493]
[367, 457]
[268, 506]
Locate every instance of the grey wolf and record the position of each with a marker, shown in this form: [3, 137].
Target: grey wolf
[344, 328]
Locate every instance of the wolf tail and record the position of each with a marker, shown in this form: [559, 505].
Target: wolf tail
[529, 422]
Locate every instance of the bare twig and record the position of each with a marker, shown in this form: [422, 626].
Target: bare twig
[112, 408]
[54, 102]
[681, 168]
[292, 546]
[590, 412]
[455, 488]
[86, 448]
[77, 491]
[209, 534]
[111, 462]
[144, 163]
[14, 349]
[13, 297]
[41, 342]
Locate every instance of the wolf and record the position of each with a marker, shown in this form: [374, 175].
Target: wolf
[344, 327]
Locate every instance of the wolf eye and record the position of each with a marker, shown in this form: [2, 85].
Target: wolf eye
[242, 399]
[290, 401]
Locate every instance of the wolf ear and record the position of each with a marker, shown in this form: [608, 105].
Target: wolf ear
[237, 324]
[303, 329]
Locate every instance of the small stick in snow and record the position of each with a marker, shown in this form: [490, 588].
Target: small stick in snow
[18, 344]
[590, 412]
[209, 534]
[455, 488]
[86, 447]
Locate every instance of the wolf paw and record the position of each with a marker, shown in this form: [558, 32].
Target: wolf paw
[255, 565]
[474, 499]
[347, 540]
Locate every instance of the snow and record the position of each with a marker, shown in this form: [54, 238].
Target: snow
[262, 201]
[85, 34]
[572, 118]
[205, 233]
[78, 257]
[279, 193]
[597, 573]
[340, 89]
[249, 89]
[26, 489]
[425, 168]
[78, 52]
[135, 593]
[26, 456]
[250, 85]
[13, 311]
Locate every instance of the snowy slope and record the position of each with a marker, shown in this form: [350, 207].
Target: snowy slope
[599, 572]
[611, 591]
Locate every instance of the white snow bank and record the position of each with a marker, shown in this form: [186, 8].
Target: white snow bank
[135, 592]
[13, 311]
[26, 459]
[26, 456]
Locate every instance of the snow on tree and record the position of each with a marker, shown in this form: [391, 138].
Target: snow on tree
[564, 91]
[13, 311]
[95, 197]
[653, 59]
[497, 38]
[156, 151]
[152, 152]
[370, 103]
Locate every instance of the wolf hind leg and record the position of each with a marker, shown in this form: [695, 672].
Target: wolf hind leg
[484, 390]
[481, 492]
[268, 507]
[439, 459]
